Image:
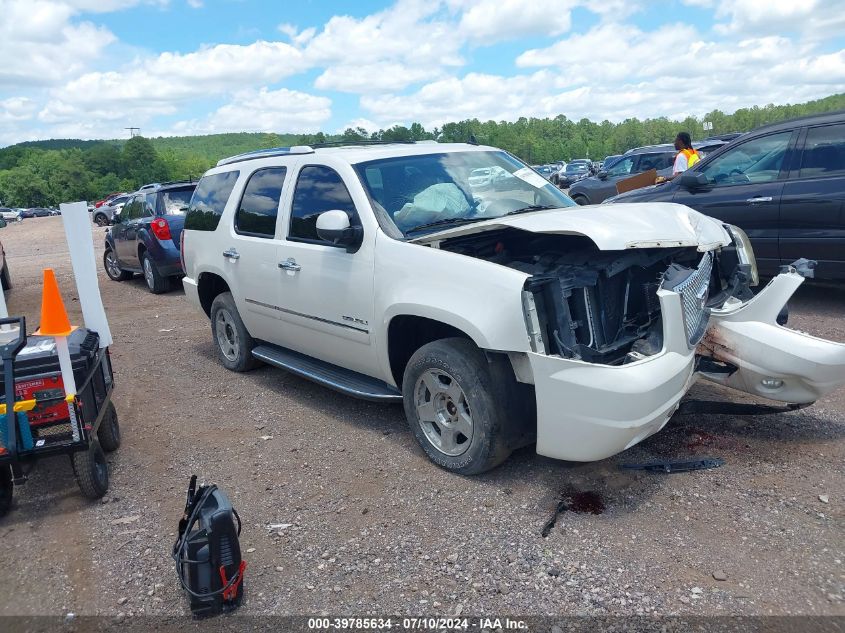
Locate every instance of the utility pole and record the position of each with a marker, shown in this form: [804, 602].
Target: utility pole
[133, 131]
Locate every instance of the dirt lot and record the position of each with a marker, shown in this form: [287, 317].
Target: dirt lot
[375, 528]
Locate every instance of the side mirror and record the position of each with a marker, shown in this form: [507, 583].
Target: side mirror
[333, 226]
[602, 174]
[693, 180]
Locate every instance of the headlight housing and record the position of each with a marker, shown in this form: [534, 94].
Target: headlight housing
[744, 251]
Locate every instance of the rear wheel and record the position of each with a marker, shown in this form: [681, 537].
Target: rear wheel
[231, 338]
[112, 266]
[109, 431]
[580, 200]
[454, 409]
[5, 278]
[6, 489]
[91, 471]
[156, 282]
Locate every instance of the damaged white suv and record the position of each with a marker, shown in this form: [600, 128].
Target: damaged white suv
[499, 315]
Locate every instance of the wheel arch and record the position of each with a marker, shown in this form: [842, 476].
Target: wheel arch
[209, 286]
[406, 333]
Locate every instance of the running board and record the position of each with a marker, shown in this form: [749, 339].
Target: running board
[343, 380]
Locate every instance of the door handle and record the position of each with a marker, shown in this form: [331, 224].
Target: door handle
[231, 254]
[759, 199]
[290, 264]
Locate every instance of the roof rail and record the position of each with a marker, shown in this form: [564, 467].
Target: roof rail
[266, 153]
[361, 142]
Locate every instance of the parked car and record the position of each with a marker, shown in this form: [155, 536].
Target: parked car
[145, 236]
[545, 171]
[574, 171]
[784, 184]
[105, 215]
[498, 320]
[11, 215]
[487, 177]
[601, 186]
[38, 212]
[107, 199]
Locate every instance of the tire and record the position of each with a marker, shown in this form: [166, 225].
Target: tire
[6, 489]
[156, 282]
[231, 339]
[112, 266]
[101, 219]
[91, 471]
[580, 200]
[109, 432]
[5, 277]
[448, 387]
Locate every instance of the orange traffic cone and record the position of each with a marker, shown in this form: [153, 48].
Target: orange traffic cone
[54, 320]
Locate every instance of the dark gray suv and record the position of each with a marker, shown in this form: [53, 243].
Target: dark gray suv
[598, 188]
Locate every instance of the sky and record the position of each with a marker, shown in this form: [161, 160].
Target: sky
[91, 68]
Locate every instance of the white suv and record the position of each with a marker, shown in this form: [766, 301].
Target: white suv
[498, 316]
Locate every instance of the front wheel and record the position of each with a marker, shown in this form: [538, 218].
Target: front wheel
[91, 471]
[156, 282]
[7, 488]
[231, 338]
[112, 266]
[453, 408]
[581, 200]
[101, 219]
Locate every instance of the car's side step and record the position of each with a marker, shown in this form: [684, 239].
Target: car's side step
[334, 377]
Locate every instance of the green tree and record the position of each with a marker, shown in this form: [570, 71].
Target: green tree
[140, 162]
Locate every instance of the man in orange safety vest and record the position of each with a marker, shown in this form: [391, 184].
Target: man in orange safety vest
[685, 158]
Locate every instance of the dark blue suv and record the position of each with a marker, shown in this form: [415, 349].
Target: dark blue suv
[145, 236]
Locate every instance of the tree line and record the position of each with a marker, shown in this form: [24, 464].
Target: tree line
[46, 173]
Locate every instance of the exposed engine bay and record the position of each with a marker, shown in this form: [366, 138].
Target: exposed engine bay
[602, 306]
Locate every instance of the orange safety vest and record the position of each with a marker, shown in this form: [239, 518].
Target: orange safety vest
[692, 156]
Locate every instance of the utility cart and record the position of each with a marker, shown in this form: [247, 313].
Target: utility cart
[44, 421]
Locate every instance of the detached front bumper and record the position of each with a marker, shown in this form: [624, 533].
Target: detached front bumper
[587, 412]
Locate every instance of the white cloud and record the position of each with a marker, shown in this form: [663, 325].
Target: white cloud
[407, 43]
[488, 21]
[195, 4]
[40, 45]
[263, 111]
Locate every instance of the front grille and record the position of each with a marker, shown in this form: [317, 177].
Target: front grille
[693, 290]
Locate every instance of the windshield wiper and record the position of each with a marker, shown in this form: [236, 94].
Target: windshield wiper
[443, 222]
[533, 207]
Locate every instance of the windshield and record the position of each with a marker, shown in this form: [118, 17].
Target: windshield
[577, 167]
[417, 191]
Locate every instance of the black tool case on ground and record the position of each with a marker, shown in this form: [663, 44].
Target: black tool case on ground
[38, 377]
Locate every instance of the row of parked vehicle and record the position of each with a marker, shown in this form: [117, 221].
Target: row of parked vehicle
[17, 214]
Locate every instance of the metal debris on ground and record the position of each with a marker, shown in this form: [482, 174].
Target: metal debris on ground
[679, 466]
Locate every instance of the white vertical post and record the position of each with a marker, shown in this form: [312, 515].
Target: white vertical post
[78, 232]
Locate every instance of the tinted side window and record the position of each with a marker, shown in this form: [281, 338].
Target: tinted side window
[758, 160]
[318, 189]
[175, 201]
[150, 205]
[136, 210]
[209, 200]
[260, 202]
[824, 152]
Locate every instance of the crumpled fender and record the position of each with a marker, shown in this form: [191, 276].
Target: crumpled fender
[796, 367]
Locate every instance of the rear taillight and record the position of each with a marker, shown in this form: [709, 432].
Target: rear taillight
[161, 229]
[182, 250]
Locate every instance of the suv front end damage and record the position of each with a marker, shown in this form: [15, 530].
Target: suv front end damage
[618, 337]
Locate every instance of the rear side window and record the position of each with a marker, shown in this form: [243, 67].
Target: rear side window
[259, 204]
[176, 201]
[824, 152]
[318, 189]
[209, 200]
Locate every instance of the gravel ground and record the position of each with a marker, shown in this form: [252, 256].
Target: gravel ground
[376, 529]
